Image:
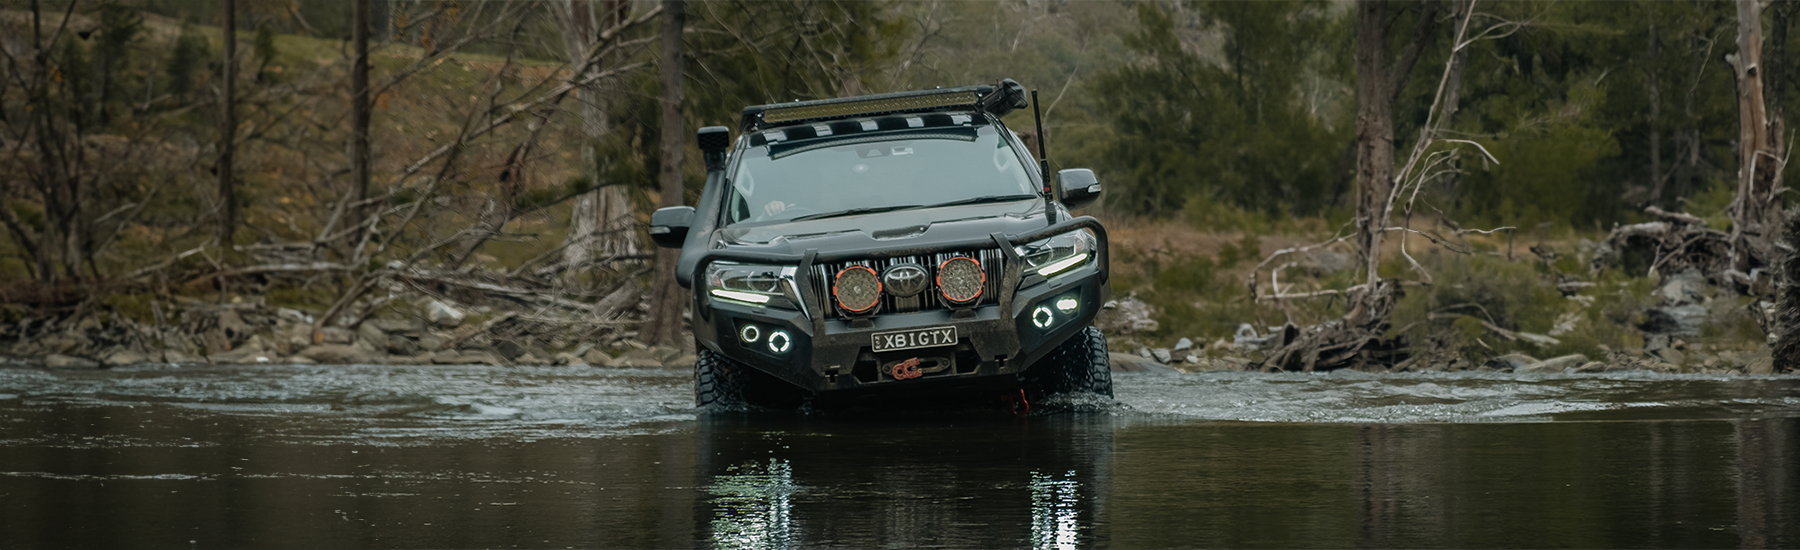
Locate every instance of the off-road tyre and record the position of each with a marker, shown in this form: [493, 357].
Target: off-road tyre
[718, 382]
[1079, 365]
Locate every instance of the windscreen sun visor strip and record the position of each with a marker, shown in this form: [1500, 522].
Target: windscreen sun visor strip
[778, 151]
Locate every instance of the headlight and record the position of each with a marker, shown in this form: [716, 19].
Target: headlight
[763, 285]
[1057, 254]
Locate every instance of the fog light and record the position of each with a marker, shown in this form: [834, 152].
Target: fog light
[779, 342]
[1041, 317]
[1066, 304]
[750, 333]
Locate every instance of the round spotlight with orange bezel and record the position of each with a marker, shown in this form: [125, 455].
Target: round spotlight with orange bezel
[857, 289]
[961, 279]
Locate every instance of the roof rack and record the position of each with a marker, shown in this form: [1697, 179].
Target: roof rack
[783, 114]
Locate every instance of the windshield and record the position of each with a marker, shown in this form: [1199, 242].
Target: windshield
[878, 171]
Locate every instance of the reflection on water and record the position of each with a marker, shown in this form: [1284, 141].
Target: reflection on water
[752, 506]
[1053, 510]
[486, 457]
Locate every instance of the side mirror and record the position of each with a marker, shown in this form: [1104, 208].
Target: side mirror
[1078, 186]
[669, 226]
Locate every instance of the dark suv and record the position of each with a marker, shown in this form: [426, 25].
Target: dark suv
[905, 245]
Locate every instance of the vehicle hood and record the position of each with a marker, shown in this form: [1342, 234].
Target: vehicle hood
[901, 228]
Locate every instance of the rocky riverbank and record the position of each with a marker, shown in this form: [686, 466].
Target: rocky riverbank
[251, 332]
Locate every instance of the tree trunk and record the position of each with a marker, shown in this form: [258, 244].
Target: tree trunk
[664, 325]
[228, 130]
[1653, 87]
[1374, 144]
[601, 221]
[1759, 150]
[359, 117]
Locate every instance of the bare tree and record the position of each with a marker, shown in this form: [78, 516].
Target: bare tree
[1760, 160]
[228, 129]
[666, 301]
[359, 112]
[602, 220]
[1378, 84]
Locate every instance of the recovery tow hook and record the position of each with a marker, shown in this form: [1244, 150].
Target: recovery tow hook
[907, 369]
[1017, 403]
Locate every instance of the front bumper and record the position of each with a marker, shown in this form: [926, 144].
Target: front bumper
[993, 343]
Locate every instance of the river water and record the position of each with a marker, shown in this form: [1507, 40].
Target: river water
[461, 457]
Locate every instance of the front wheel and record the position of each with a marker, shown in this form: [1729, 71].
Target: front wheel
[718, 382]
[1079, 365]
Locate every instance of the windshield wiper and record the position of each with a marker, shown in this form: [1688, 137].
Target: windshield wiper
[985, 199]
[854, 211]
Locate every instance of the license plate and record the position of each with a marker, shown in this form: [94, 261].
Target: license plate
[914, 338]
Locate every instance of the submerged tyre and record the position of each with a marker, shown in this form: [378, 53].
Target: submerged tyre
[1079, 365]
[718, 382]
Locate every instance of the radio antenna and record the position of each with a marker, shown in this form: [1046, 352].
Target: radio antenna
[1037, 115]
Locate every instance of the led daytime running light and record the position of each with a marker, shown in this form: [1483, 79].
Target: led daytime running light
[1058, 267]
[749, 297]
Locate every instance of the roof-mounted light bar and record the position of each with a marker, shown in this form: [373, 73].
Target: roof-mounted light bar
[781, 114]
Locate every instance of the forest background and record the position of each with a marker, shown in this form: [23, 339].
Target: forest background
[158, 202]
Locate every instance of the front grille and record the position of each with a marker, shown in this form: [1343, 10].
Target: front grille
[822, 275]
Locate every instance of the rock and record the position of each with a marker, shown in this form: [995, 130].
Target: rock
[1126, 315]
[666, 354]
[338, 335]
[509, 349]
[62, 343]
[1162, 355]
[1245, 339]
[337, 354]
[597, 358]
[371, 338]
[446, 357]
[633, 343]
[1681, 288]
[581, 350]
[682, 360]
[124, 357]
[1759, 362]
[1183, 344]
[638, 358]
[1670, 355]
[476, 357]
[293, 315]
[432, 341]
[407, 325]
[1555, 364]
[1131, 363]
[1510, 361]
[244, 354]
[1145, 353]
[529, 359]
[60, 361]
[233, 325]
[1592, 366]
[401, 345]
[443, 315]
[1191, 359]
[296, 360]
